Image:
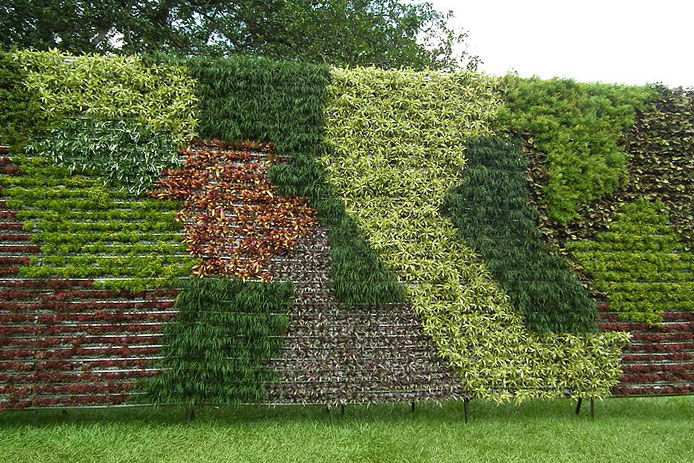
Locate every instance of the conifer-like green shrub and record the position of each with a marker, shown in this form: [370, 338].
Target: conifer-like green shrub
[398, 146]
[218, 348]
[581, 127]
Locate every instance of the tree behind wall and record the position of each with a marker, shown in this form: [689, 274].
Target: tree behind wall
[384, 33]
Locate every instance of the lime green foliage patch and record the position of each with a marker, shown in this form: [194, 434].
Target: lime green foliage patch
[580, 127]
[248, 98]
[641, 264]
[89, 231]
[20, 111]
[398, 142]
[161, 98]
[492, 213]
[216, 351]
[122, 153]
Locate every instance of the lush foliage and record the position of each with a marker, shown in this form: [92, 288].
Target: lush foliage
[122, 153]
[399, 146]
[216, 349]
[492, 213]
[122, 253]
[388, 33]
[580, 127]
[641, 264]
[662, 165]
[242, 99]
[20, 112]
[232, 238]
[159, 98]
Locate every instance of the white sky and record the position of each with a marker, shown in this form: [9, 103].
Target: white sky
[619, 41]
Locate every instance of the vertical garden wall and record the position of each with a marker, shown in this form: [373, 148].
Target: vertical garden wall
[337, 236]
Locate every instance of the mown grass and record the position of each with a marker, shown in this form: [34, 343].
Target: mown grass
[624, 430]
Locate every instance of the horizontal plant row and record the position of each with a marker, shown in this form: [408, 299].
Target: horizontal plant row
[641, 283]
[127, 254]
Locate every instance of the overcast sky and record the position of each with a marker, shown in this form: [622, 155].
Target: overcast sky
[634, 42]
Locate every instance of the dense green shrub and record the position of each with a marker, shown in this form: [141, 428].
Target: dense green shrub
[246, 98]
[217, 349]
[641, 264]
[20, 112]
[158, 97]
[120, 152]
[492, 213]
[398, 142]
[581, 128]
[91, 231]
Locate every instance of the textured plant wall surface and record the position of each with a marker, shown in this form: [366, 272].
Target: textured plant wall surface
[326, 352]
[633, 247]
[399, 147]
[377, 243]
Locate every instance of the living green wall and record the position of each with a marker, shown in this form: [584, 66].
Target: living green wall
[492, 213]
[641, 264]
[115, 88]
[249, 98]
[216, 351]
[398, 146]
[86, 230]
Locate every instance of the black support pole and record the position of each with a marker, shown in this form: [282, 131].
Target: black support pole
[342, 409]
[190, 413]
[578, 405]
[466, 411]
[412, 406]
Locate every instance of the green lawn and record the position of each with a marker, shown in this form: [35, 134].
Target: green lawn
[624, 430]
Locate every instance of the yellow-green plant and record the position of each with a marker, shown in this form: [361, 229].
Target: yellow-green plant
[398, 146]
[159, 97]
[641, 264]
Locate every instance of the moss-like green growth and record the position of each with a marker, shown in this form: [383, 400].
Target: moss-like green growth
[641, 264]
[580, 127]
[492, 213]
[217, 350]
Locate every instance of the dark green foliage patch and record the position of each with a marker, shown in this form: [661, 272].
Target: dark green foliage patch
[217, 350]
[492, 213]
[123, 153]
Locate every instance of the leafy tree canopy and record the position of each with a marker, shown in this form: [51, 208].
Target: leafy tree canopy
[384, 33]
